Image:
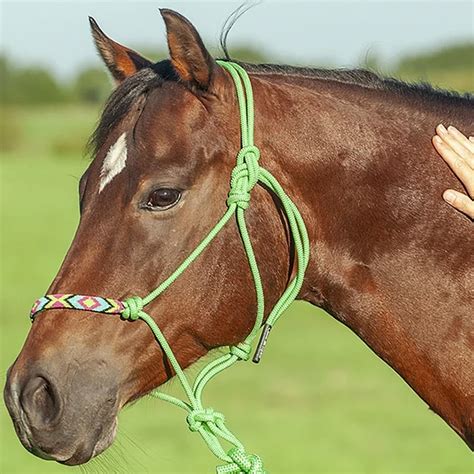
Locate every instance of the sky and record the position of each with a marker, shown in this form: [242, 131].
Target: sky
[341, 33]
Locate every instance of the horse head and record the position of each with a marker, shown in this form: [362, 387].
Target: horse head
[158, 182]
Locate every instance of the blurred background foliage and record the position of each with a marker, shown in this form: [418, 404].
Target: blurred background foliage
[451, 67]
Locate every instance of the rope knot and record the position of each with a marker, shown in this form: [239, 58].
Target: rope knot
[244, 176]
[249, 153]
[242, 350]
[197, 418]
[242, 463]
[133, 307]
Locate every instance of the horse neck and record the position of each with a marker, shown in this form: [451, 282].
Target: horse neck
[360, 166]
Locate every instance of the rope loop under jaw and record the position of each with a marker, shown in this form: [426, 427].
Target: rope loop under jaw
[197, 418]
[242, 351]
[132, 308]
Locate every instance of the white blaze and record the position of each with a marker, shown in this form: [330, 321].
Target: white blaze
[114, 162]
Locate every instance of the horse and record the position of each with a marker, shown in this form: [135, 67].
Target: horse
[388, 258]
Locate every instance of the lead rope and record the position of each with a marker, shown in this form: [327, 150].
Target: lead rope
[247, 173]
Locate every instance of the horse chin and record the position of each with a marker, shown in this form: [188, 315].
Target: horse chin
[103, 443]
[82, 457]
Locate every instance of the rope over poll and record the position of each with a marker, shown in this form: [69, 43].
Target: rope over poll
[247, 173]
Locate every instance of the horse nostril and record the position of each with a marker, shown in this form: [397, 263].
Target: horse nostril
[40, 401]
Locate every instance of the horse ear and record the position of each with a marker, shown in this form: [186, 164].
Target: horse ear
[190, 58]
[121, 61]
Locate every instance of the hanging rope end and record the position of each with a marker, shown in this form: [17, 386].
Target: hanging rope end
[262, 343]
[241, 463]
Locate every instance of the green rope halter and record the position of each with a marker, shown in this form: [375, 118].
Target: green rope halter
[247, 173]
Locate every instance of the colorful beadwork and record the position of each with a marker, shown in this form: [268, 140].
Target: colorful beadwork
[97, 304]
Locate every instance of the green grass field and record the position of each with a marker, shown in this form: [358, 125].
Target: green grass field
[320, 401]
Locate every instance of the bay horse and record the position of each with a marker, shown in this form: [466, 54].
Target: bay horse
[389, 259]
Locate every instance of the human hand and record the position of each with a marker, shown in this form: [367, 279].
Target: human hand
[458, 152]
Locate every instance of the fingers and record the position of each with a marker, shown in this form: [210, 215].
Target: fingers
[460, 201]
[458, 152]
[461, 138]
[462, 165]
[457, 141]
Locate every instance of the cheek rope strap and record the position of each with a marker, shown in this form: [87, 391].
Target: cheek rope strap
[247, 173]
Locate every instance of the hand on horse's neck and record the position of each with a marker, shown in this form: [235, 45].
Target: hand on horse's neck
[364, 178]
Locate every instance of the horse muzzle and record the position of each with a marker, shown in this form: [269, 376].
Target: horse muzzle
[67, 415]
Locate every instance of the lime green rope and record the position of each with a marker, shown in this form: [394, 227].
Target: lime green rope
[247, 173]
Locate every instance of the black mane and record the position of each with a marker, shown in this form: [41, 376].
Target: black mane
[143, 82]
[362, 78]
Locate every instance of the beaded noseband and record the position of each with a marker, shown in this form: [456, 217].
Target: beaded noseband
[97, 304]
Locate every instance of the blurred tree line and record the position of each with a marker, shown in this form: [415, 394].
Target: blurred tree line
[36, 85]
[450, 67]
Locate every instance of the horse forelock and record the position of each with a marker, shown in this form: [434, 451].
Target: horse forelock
[120, 102]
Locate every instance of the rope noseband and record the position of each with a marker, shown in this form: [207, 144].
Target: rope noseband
[247, 173]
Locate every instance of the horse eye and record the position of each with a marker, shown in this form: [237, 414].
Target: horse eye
[162, 198]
